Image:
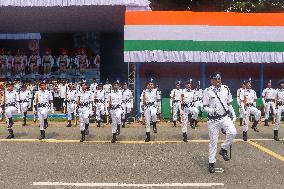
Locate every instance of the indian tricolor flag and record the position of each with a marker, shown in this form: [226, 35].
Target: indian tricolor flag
[204, 37]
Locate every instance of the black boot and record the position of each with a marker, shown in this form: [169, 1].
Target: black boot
[147, 137]
[86, 128]
[224, 154]
[73, 116]
[99, 124]
[266, 122]
[11, 123]
[118, 129]
[69, 123]
[254, 126]
[45, 123]
[241, 121]
[11, 134]
[211, 168]
[82, 136]
[42, 134]
[155, 127]
[276, 138]
[25, 119]
[113, 140]
[123, 123]
[184, 135]
[175, 124]
[192, 123]
[245, 136]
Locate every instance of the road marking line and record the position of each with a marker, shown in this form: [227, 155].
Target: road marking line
[266, 150]
[121, 142]
[127, 185]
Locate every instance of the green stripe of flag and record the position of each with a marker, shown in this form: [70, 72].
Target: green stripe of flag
[227, 46]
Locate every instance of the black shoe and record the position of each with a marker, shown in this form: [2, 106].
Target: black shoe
[118, 129]
[192, 124]
[45, 123]
[195, 123]
[83, 138]
[42, 135]
[113, 140]
[73, 116]
[245, 136]
[184, 135]
[254, 126]
[175, 124]
[99, 124]
[266, 123]
[147, 137]
[241, 122]
[11, 123]
[87, 129]
[211, 168]
[69, 123]
[25, 122]
[224, 154]
[155, 130]
[276, 138]
[123, 123]
[11, 134]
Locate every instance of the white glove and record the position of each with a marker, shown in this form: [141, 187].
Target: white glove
[209, 110]
[52, 111]
[19, 111]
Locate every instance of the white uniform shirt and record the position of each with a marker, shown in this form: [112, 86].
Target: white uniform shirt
[12, 97]
[126, 95]
[176, 94]
[44, 96]
[86, 97]
[93, 87]
[210, 99]
[107, 88]
[280, 95]
[250, 95]
[3, 60]
[62, 90]
[150, 96]
[188, 96]
[268, 94]
[100, 95]
[198, 94]
[71, 95]
[25, 96]
[115, 98]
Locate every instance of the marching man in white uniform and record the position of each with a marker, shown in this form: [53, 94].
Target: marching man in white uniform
[127, 103]
[149, 102]
[44, 103]
[25, 102]
[115, 110]
[239, 91]
[70, 103]
[248, 104]
[187, 107]
[198, 99]
[11, 103]
[100, 103]
[84, 104]
[268, 99]
[217, 101]
[175, 102]
[279, 107]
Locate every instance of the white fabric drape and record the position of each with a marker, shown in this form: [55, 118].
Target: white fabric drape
[21, 36]
[53, 3]
[201, 56]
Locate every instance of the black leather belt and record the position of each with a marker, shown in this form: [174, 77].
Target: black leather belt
[217, 117]
[42, 105]
[99, 101]
[70, 101]
[175, 101]
[126, 101]
[249, 104]
[186, 105]
[269, 100]
[148, 104]
[22, 101]
[114, 107]
[84, 104]
[10, 104]
[279, 103]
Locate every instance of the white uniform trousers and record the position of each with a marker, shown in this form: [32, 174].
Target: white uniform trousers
[100, 110]
[70, 110]
[24, 106]
[254, 111]
[186, 111]
[84, 113]
[9, 110]
[241, 111]
[214, 127]
[150, 113]
[279, 111]
[126, 109]
[175, 110]
[199, 105]
[42, 115]
[115, 118]
[269, 105]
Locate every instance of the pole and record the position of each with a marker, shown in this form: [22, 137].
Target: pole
[203, 74]
[137, 89]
